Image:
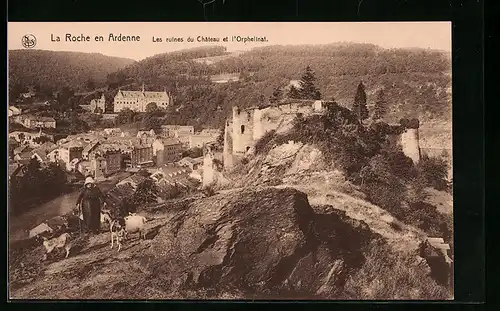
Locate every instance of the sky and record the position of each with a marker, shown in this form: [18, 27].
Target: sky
[433, 35]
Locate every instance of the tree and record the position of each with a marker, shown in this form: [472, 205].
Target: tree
[125, 116]
[293, 93]
[53, 178]
[220, 138]
[63, 98]
[195, 152]
[359, 107]
[146, 192]
[41, 139]
[90, 84]
[261, 99]
[15, 90]
[277, 95]
[152, 123]
[13, 144]
[380, 108]
[151, 108]
[434, 171]
[307, 88]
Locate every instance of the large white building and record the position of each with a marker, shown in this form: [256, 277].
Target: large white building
[138, 100]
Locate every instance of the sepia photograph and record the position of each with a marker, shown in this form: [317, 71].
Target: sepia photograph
[230, 161]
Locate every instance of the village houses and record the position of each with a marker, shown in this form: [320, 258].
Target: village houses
[191, 163]
[30, 138]
[33, 122]
[142, 156]
[200, 140]
[181, 132]
[98, 105]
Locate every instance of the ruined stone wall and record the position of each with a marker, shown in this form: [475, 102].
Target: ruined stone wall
[249, 125]
[227, 153]
[266, 120]
[208, 166]
[270, 118]
[410, 144]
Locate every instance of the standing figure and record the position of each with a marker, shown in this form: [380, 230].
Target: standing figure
[89, 202]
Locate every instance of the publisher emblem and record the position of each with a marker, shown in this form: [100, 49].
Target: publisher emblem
[28, 41]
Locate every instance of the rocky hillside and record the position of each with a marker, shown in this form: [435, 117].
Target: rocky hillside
[255, 243]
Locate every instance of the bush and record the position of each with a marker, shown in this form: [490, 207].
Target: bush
[146, 192]
[388, 275]
[263, 144]
[389, 196]
[434, 171]
[401, 165]
[427, 218]
[195, 152]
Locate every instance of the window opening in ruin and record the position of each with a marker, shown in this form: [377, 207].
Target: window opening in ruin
[238, 111]
[248, 148]
[242, 129]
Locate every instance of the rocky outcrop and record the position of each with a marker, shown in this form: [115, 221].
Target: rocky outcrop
[266, 243]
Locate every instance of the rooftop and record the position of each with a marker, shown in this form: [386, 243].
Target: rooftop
[170, 141]
[73, 144]
[143, 94]
[90, 146]
[42, 119]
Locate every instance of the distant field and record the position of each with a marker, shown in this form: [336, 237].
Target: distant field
[215, 59]
[436, 135]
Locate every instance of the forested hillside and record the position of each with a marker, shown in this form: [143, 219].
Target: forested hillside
[51, 70]
[416, 82]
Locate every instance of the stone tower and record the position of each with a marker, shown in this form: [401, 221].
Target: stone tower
[208, 165]
[242, 130]
[410, 141]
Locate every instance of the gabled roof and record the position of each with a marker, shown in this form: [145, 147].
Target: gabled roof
[140, 94]
[170, 141]
[41, 153]
[133, 181]
[21, 149]
[47, 146]
[42, 119]
[73, 144]
[26, 155]
[43, 227]
[90, 146]
[14, 169]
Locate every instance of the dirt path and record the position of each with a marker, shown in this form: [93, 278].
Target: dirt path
[401, 237]
[98, 269]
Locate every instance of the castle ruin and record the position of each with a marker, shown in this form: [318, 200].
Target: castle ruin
[247, 126]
